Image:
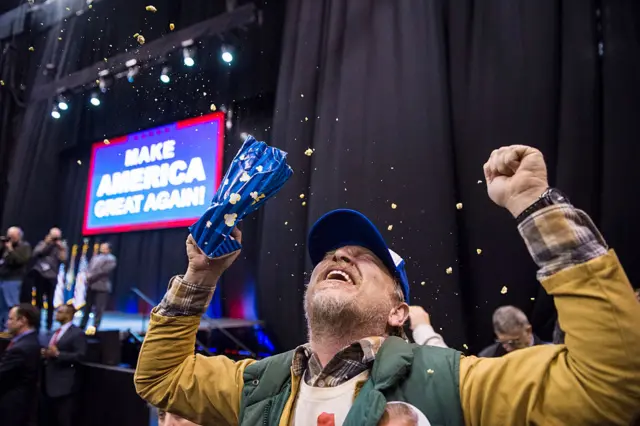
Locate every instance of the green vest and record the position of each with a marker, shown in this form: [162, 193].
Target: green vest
[424, 376]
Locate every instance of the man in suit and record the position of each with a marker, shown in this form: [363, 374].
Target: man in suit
[513, 332]
[67, 348]
[98, 284]
[19, 367]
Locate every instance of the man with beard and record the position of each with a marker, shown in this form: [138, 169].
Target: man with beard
[353, 365]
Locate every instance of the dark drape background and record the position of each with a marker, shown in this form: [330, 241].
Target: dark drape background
[406, 100]
[402, 102]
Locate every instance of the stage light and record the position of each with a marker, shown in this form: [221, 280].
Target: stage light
[227, 56]
[188, 57]
[63, 104]
[188, 53]
[95, 99]
[55, 113]
[164, 76]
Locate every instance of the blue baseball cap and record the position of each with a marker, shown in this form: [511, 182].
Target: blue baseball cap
[344, 227]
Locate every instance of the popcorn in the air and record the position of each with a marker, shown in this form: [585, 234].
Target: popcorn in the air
[106, 142]
[504, 289]
[234, 198]
[31, 49]
[459, 206]
[479, 181]
[304, 203]
[389, 228]
[394, 206]
[308, 152]
[172, 26]
[230, 219]
[449, 270]
[430, 371]
[209, 224]
[212, 107]
[245, 177]
[259, 169]
[479, 251]
[301, 196]
[464, 345]
[151, 9]
[79, 162]
[140, 39]
[422, 283]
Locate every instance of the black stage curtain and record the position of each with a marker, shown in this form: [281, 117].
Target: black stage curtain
[48, 177]
[403, 101]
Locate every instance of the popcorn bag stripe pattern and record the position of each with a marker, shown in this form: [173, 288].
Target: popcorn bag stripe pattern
[256, 173]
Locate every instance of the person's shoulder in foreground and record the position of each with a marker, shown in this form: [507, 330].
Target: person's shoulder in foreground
[591, 380]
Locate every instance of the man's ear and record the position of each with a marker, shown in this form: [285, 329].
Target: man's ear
[399, 315]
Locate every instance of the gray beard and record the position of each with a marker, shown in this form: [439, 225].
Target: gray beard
[344, 321]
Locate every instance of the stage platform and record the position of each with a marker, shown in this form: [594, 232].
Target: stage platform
[138, 323]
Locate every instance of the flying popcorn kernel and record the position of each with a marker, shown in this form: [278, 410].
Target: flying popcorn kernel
[172, 27]
[308, 152]
[286, 223]
[212, 107]
[136, 35]
[389, 228]
[504, 289]
[106, 142]
[422, 283]
[479, 251]
[234, 198]
[230, 219]
[301, 196]
[304, 203]
[464, 345]
[208, 224]
[259, 169]
[244, 177]
[449, 270]
[151, 9]
[459, 206]
[479, 181]
[140, 39]
[533, 298]
[31, 49]
[394, 206]
[1, 82]
[91, 330]
[79, 163]
[430, 371]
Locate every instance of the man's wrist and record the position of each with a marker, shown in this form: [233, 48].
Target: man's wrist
[201, 277]
[521, 202]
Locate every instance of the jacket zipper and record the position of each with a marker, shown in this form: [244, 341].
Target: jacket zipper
[265, 416]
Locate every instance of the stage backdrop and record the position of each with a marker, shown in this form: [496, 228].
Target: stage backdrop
[402, 102]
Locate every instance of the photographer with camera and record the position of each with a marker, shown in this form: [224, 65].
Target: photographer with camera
[47, 256]
[14, 256]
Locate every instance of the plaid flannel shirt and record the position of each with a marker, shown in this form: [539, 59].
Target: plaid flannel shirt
[557, 237]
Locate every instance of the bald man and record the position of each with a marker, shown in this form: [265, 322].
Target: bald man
[48, 255]
[14, 255]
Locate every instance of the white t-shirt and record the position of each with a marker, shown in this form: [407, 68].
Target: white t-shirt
[317, 406]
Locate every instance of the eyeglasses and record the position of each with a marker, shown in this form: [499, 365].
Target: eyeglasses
[511, 343]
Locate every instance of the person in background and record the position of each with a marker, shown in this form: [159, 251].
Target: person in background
[422, 330]
[19, 367]
[67, 347]
[14, 256]
[168, 419]
[513, 332]
[98, 284]
[638, 294]
[47, 256]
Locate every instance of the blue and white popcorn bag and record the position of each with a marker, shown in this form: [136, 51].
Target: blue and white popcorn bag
[256, 173]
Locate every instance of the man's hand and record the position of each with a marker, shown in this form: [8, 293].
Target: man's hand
[418, 316]
[516, 176]
[51, 352]
[8, 246]
[200, 265]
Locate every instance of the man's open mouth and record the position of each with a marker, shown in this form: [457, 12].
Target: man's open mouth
[339, 275]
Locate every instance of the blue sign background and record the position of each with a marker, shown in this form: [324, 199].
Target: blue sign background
[201, 137]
